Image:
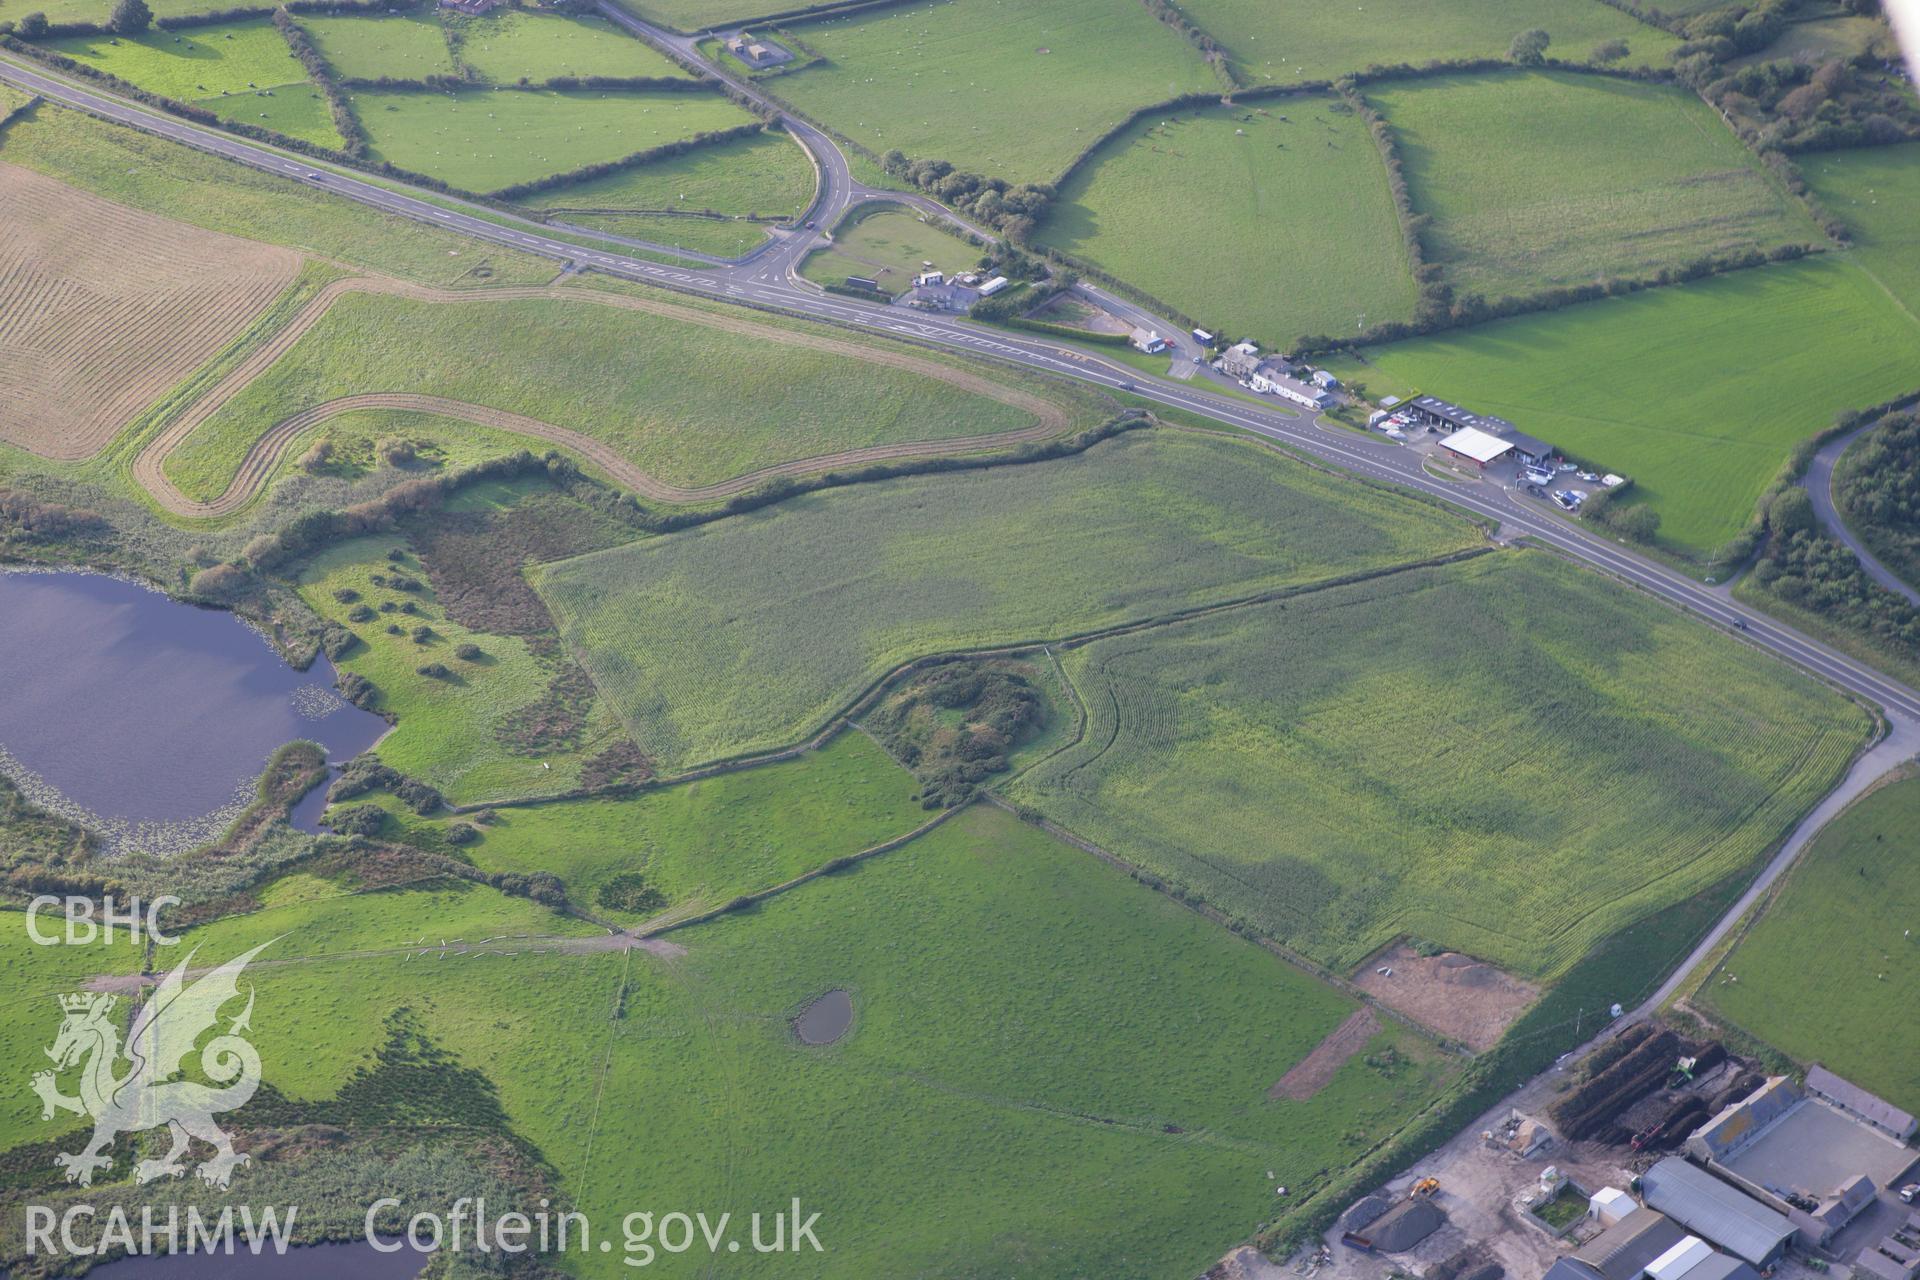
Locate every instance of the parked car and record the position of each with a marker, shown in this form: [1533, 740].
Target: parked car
[1539, 475]
[1566, 467]
[1565, 498]
[1910, 1193]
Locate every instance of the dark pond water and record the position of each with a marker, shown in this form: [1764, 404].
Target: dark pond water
[826, 1019]
[355, 1261]
[145, 718]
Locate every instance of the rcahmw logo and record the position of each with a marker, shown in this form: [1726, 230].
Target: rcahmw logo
[146, 1092]
[80, 1231]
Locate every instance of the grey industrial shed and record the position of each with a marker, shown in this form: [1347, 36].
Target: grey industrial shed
[1715, 1210]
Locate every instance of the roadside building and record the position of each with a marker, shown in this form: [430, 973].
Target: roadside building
[1528, 449]
[1476, 446]
[1860, 1104]
[1147, 340]
[756, 53]
[1717, 1211]
[993, 286]
[863, 282]
[1271, 381]
[941, 297]
[1321, 378]
[1203, 337]
[1445, 416]
[1240, 360]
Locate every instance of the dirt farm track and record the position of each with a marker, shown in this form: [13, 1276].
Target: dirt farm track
[144, 299]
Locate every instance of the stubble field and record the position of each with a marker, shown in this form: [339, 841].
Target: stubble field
[103, 308]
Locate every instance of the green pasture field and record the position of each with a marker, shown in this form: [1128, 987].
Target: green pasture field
[767, 175]
[1875, 190]
[1050, 1038]
[1190, 206]
[651, 386]
[749, 632]
[998, 87]
[404, 46]
[447, 732]
[510, 43]
[482, 140]
[241, 71]
[1298, 40]
[1555, 178]
[31, 977]
[1697, 391]
[1823, 975]
[703, 843]
[162, 177]
[722, 237]
[697, 15]
[1508, 757]
[304, 915]
[888, 246]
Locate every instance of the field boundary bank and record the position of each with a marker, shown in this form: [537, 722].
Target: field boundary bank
[846, 717]
[824, 869]
[1214, 915]
[148, 466]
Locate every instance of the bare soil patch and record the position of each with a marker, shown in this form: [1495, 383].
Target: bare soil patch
[1312, 1073]
[104, 308]
[1462, 998]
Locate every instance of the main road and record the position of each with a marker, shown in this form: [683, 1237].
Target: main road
[765, 280]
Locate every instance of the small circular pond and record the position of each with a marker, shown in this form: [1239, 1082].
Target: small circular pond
[825, 1020]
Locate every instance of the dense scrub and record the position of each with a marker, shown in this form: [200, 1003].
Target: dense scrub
[955, 724]
[1877, 488]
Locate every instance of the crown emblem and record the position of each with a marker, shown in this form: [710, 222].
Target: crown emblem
[78, 1001]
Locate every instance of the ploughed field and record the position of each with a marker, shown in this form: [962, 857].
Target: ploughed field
[748, 633]
[1507, 756]
[103, 308]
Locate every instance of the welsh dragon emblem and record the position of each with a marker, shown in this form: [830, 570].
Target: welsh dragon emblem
[146, 1093]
